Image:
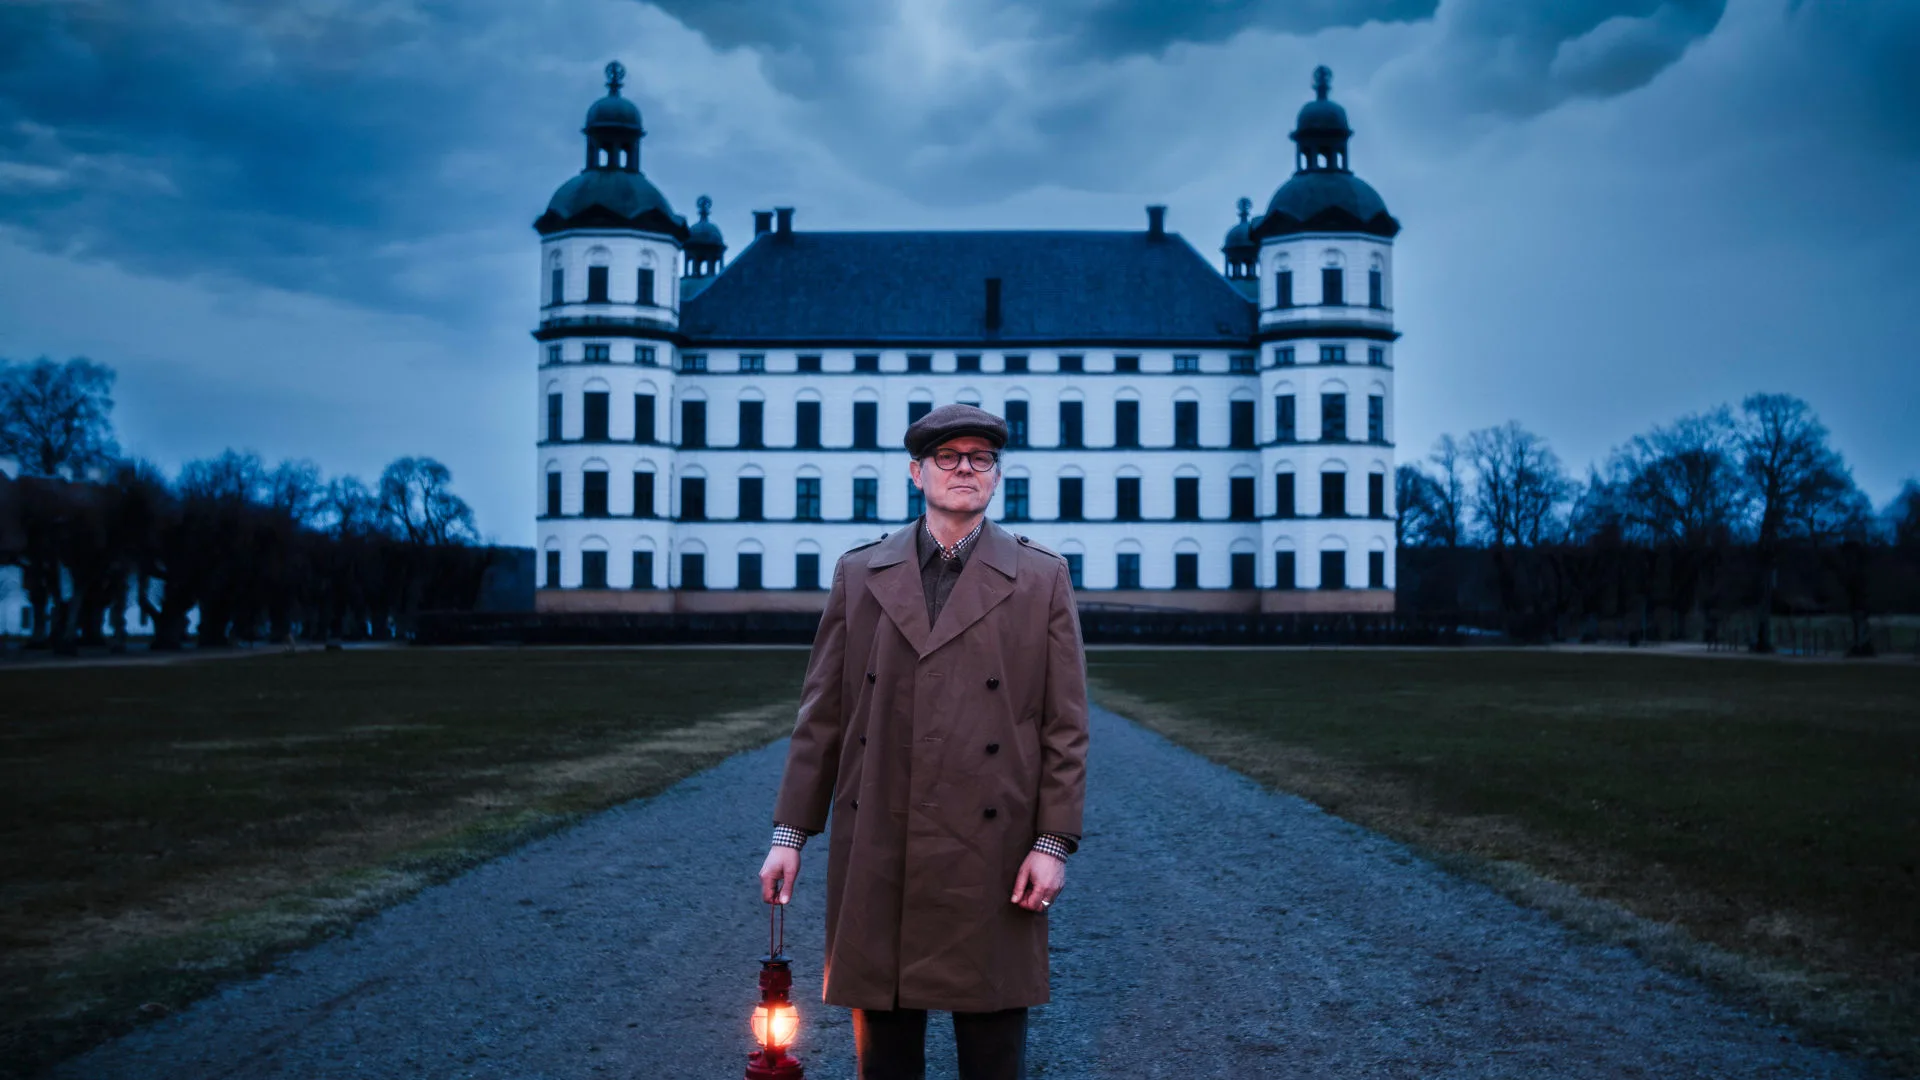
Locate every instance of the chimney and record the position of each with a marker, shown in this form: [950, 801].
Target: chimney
[993, 303]
[1156, 222]
[762, 222]
[784, 214]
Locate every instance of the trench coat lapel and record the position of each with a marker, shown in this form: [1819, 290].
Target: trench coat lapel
[895, 583]
[986, 580]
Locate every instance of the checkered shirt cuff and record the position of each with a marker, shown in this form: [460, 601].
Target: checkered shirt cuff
[1052, 844]
[788, 836]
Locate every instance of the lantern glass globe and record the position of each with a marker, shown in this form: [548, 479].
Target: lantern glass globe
[774, 1026]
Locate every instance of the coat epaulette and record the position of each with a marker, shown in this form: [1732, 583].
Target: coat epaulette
[862, 547]
[1025, 542]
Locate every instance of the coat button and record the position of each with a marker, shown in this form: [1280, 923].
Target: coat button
[992, 813]
[863, 740]
[856, 804]
[993, 748]
[869, 676]
[993, 684]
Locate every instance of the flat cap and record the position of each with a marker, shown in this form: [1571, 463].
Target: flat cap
[952, 421]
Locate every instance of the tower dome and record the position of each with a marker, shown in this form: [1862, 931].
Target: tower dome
[1241, 250]
[705, 247]
[611, 191]
[1323, 194]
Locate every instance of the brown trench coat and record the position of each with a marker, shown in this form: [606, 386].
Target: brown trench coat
[942, 752]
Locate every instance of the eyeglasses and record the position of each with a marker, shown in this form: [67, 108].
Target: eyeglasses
[981, 460]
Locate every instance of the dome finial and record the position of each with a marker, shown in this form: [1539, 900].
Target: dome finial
[703, 204]
[1245, 206]
[617, 74]
[1322, 81]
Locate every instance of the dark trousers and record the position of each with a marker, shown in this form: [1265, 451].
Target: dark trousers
[892, 1044]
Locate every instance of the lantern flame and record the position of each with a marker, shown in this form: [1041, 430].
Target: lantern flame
[774, 1026]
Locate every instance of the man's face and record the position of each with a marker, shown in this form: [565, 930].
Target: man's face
[962, 491]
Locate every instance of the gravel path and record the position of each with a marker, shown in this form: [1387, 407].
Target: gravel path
[1209, 929]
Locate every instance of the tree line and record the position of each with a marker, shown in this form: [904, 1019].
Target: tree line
[260, 552]
[1746, 512]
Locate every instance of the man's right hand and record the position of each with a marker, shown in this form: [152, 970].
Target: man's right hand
[778, 874]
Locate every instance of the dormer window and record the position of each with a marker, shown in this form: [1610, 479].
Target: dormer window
[1186, 363]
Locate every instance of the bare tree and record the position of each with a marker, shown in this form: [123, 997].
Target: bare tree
[1903, 517]
[1416, 496]
[1519, 486]
[1450, 493]
[1800, 486]
[55, 419]
[418, 503]
[1682, 483]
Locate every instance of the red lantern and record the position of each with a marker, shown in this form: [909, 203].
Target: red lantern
[775, 1021]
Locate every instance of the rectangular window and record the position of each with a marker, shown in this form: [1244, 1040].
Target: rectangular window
[1124, 364]
[747, 570]
[1333, 569]
[642, 570]
[1333, 418]
[693, 570]
[917, 409]
[555, 432]
[1073, 498]
[919, 361]
[1377, 495]
[1073, 424]
[806, 425]
[806, 362]
[752, 502]
[916, 499]
[595, 415]
[1240, 498]
[643, 494]
[752, 417]
[1283, 419]
[867, 362]
[1016, 419]
[1376, 418]
[596, 284]
[1283, 356]
[1186, 498]
[1376, 356]
[1284, 576]
[806, 571]
[598, 354]
[1333, 286]
[1126, 499]
[1376, 297]
[693, 423]
[967, 362]
[1015, 499]
[1186, 362]
[1126, 423]
[645, 356]
[1333, 494]
[553, 560]
[593, 493]
[806, 499]
[1076, 569]
[866, 499]
[693, 498]
[1013, 363]
[1283, 289]
[553, 494]
[593, 569]
[644, 293]
[553, 354]
[1240, 425]
[866, 425]
[1240, 570]
[643, 418]
[1127, 572]
[557, 287]
[1333, 354]
[1283, 505]
[1073, 363]
[1186, 570]
[693, 362]
[753, 362]
[1186, 425]
[1376, 569]
[1240, 363]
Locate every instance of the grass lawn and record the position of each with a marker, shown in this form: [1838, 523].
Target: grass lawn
[166, 827]
[1769, 808]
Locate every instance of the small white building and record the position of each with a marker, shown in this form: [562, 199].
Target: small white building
[714, 434]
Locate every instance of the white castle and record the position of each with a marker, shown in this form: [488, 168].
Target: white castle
[714, 433]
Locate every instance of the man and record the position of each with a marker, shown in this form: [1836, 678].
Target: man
[944, 722]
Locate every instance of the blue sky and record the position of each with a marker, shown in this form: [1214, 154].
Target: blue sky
[304, 227]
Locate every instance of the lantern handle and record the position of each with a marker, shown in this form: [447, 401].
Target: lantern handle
[776, 929]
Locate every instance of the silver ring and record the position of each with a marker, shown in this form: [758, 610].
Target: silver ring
[1046, 903]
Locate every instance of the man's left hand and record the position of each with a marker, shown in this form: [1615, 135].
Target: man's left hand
[1041, 878]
